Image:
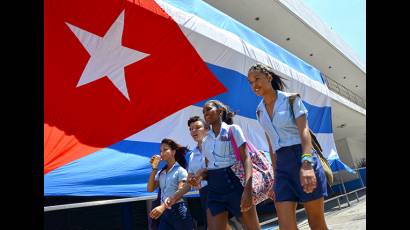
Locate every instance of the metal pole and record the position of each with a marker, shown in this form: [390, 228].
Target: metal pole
[338, 202]
[344, 190]
[337, 198]
[357, 195]
[361, 180]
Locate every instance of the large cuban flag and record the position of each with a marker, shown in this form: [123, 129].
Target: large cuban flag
[119, 76]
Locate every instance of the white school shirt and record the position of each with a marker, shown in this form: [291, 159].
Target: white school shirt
[168, 181]
[218, 149]
[281, 129]
[197, 162]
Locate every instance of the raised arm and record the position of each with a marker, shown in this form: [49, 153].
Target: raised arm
[152, 183]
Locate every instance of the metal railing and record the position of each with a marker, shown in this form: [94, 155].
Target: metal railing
[344, 92]
[103, 202]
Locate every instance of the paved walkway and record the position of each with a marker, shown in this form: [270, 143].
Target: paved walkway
[348, 218]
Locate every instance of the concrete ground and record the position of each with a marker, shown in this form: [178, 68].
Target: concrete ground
[345, 218]
[353, 217]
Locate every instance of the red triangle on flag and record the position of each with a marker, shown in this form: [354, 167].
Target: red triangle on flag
[97, 114]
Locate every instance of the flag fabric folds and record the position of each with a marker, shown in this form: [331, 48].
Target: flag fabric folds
[119, 76]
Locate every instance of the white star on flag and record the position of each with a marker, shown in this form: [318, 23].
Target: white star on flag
[108, 56]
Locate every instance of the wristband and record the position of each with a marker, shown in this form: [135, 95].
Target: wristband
[308, 159]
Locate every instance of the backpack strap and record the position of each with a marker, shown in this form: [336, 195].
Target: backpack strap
[233, 143]
[315, 142]
[292, 99]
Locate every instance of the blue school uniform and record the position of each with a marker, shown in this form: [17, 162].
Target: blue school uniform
[178, 217]
[197, 162]
[224, 188]
[286, 143]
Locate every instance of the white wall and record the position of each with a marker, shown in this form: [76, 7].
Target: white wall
[343, 150]
[350, 152]
[357, 150]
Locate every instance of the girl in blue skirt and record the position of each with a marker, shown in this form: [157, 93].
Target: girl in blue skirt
[299, 176]
[226, 195]
[170, 179]
[196, 167]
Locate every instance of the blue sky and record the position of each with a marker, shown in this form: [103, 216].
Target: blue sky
[347, 18]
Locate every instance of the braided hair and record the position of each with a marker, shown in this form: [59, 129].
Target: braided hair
[277, 81]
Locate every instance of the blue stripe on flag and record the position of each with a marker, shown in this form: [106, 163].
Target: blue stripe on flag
[239, 96]
[319, 118]
[241, 99]
[122, 169]
[108, 172]
[137, 147]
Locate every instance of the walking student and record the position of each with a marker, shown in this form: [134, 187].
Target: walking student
[170, 179]
[299, 176]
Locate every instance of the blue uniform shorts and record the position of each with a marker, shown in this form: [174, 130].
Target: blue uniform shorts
[176, 218]
[287, 185]
[224, 192]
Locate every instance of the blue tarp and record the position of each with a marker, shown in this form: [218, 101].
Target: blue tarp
[336, 165]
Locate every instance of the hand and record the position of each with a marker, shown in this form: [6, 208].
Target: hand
[198, 179]
[169, 201]
[271, 194]
[191, 179]
[194, 180]
[155, 161]
[307, 177]
[157, 212]
[246, 200]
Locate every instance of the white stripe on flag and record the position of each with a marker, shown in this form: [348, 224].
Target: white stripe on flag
[223, 48]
